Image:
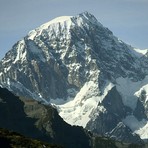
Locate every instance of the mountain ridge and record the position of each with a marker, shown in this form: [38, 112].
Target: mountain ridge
[26, 122]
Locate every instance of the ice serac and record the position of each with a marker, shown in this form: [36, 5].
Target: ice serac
[94, 79]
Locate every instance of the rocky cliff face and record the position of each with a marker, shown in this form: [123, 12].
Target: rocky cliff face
[94, 79]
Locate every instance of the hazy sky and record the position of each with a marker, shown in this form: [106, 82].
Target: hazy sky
[127, 19]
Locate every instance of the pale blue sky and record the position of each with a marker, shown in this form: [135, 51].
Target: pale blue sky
[127, 19]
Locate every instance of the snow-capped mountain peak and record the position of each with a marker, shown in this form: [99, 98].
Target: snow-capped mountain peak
[88, 17]
[56, 20]
[67, 22]
[55, 23]
[79, 66]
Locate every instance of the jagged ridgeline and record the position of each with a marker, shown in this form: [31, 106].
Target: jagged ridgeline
[94, 79]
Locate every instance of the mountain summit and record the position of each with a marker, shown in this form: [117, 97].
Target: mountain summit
[94, 79]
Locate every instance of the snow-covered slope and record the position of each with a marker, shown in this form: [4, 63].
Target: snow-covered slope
[94, 79]
[140, 52]
[84, 103]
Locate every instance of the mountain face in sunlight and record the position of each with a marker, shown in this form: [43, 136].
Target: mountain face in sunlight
[93, 79]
